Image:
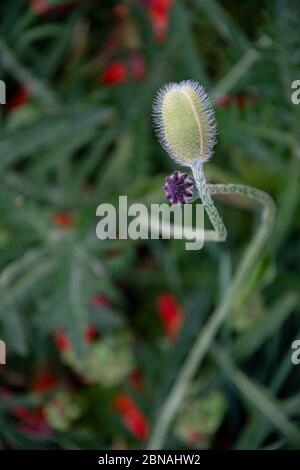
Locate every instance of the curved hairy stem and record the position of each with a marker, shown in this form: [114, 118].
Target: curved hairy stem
[209, 331]
[205, 196]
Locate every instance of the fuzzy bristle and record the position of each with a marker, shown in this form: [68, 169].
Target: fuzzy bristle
[184, 122]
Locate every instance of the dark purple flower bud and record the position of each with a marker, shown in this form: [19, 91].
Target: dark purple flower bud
[178, 188]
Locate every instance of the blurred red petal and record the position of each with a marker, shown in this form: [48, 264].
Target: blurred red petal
[61, 341]
[44, 382]
[33, 422]
[123, 403]
[91, 333]
[137, 424]
[170, 314]
[224, 101]
[63, 220]
[137, 66]
[159, 12]
[133, 418]
[115, 73]
[136, 379]
[100, 301]
[20, 98]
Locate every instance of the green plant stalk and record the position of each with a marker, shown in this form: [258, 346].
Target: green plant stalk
[204, 340]
[207, 201]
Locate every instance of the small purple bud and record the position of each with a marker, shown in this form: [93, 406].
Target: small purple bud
[178, 188]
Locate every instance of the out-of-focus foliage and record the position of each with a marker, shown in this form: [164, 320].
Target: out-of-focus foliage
[76, 131]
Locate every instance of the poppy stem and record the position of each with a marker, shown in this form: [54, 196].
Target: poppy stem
[207, 334]
[207, 201]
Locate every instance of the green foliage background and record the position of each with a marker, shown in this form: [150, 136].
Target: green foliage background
[78, 143]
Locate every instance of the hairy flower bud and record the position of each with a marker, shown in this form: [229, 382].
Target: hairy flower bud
[184, 122]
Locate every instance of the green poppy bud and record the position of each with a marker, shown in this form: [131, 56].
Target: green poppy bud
[185, 123]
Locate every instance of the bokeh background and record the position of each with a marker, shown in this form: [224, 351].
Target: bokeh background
[96, 332]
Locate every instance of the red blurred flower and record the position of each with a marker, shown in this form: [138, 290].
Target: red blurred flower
[44, 382]
[137, 66]
[40, 7]
[159, 12]
[19, 99]
[115, 73]
[61, 340]
[241, 100]
[136, 379]
[63, 220]
[224, 102]
[91, 333]
[133, 418]
[32, 422]
[100, 301]
[170, 314]
[44, 7]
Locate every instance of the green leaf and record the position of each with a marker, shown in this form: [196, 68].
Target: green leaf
[63, 126]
